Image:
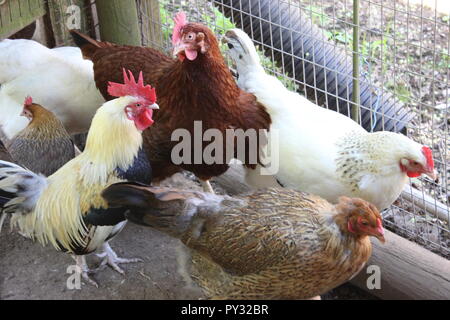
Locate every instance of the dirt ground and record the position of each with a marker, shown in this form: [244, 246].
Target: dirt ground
[31, 271]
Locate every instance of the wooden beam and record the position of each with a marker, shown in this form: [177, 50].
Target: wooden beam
[17, 14]
[408, 271]
[119, 21]
[426, 202]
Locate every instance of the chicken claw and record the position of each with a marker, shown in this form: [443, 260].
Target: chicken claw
[85, 271]
[111, 259]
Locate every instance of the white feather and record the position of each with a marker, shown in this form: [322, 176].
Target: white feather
[26, 185]
[311, 139]
[59, 79]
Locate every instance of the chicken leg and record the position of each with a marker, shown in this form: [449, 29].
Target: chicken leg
[207, 186]
[110, 258]
[84, 269]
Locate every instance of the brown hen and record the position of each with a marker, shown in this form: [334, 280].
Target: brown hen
[44, 145]
[197, 86]
[271, 244]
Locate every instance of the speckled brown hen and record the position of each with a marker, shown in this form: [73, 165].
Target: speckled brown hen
[197, 86]
[4, 154]
[272, 244]
[44, 145]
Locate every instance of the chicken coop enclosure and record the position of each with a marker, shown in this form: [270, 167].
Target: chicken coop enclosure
[388, 60]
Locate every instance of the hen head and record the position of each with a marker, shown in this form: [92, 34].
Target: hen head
[191, 39]
[27, 111]
[241, 48]
[139, 100]
[360, 218]
[419, 163]
[37, 114]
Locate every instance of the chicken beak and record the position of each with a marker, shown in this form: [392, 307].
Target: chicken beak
[381, 238]
[154, 106]
[378, 232]
[177, 49]
[432, 174]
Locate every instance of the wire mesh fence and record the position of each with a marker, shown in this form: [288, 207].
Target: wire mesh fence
[405, 63]
[405, 72]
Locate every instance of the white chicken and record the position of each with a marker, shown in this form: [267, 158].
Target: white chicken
[59, 78]
[324, 152]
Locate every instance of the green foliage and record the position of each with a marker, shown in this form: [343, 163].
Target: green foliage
[444, 60]
[401, 90]
[317, 15]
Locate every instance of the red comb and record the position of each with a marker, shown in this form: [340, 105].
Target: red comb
[429, 156]
[132, 88]
[28, 101]
[180, 22]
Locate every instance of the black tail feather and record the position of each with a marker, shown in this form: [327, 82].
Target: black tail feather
[5, 197]
[88, 45]
[79, 38]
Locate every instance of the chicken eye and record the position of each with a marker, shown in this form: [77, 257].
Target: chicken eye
[365, 223]
[190, 36]
[138, 105]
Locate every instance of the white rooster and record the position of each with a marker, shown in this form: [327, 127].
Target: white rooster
[324, 152]
[58, 78]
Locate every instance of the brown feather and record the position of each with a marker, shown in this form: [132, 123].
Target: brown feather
[202, 90]
[271, 244]
[44, 145]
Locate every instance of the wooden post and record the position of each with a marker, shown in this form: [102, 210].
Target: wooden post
[356, 92]
[408, 271]
[150, 23]
[118, 21]
[65, 15]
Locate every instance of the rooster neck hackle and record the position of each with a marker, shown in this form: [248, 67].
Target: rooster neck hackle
[113, 141]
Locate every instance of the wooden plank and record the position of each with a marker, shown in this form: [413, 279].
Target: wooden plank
[426, 202]
[150, 23]
[63, 16]
[17, 14]
[119, 21]
[408, 271]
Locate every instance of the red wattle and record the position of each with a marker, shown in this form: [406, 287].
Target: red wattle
[144, 120]
[350, 228]
[413, 174]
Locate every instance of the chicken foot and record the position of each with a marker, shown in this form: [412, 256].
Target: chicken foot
[85, 271]
[111, 259]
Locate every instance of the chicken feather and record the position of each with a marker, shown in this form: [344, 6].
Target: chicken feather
[270, 244]
[322, 151]
[202, 89]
